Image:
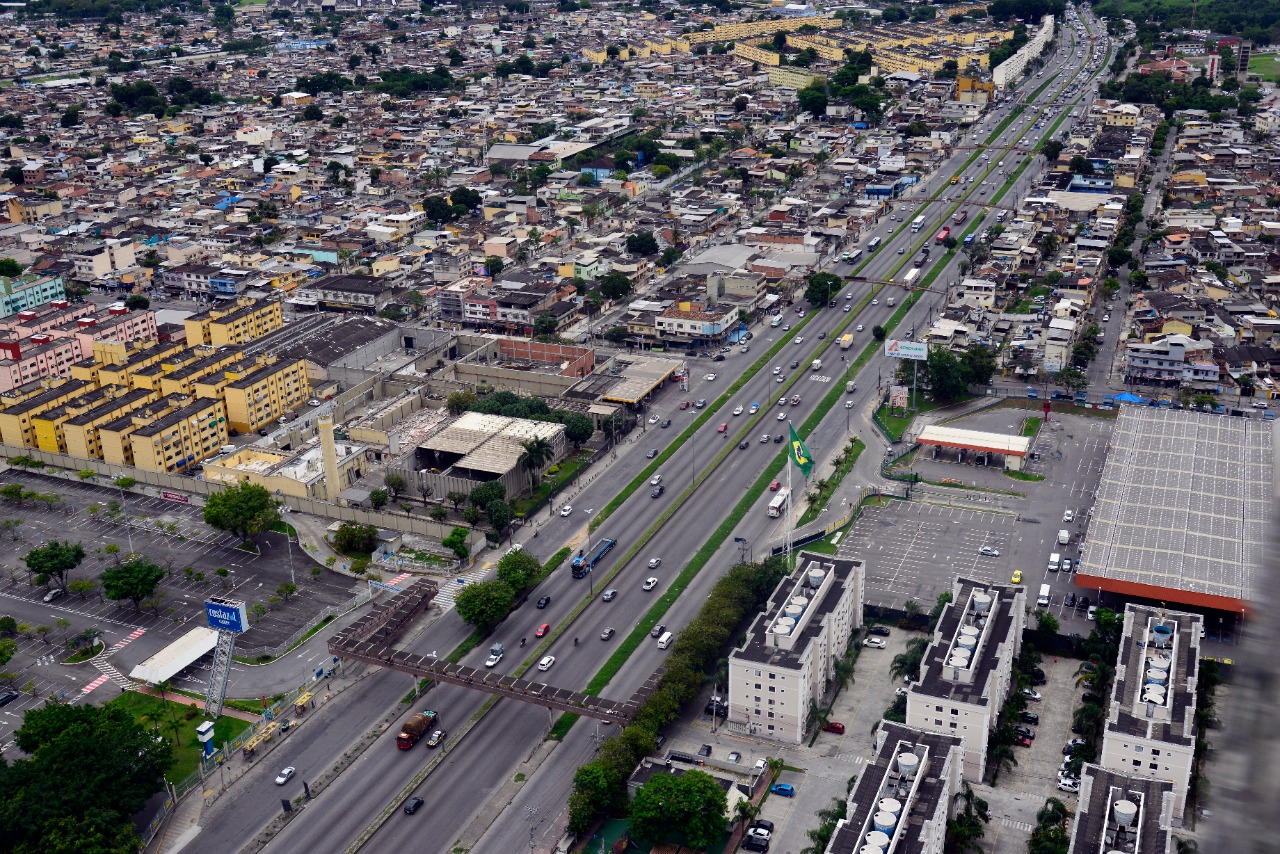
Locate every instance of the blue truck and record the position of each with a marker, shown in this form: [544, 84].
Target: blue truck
[585, 561]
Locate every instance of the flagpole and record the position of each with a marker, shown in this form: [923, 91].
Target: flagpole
[791, 493]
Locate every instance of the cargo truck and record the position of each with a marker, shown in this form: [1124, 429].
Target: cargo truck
[415, 728]
[816, 366]
[586, 560]
[960, 216]
[846, 341]
[942, 235]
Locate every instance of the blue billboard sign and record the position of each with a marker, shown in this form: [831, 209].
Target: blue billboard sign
[226, 615]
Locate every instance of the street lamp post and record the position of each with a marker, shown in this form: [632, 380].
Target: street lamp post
[127, 527]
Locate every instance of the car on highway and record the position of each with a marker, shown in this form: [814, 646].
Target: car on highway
[684, 404]
[782, 416]
[542, 630]
[775, 486]
[755, 407]
[847, 309]
[657, 491]
[1069, 516]
[656, 631]
[666, 422]
[652, 452]
[799, 339]
[699, 403]
[655, 562]
[607, 633]
[988, 551]
[874, 643]
[492, 660]
[544, 601]
[860, 327]
[785, 790]
[412, 805]
[649, 583]
[777, 369]
[655, 480]
[780, 379]
[902, 251]
[546, 662]
[710, 378]
[822, 336]
[742, 446]
[653, 419]
[1017, 577]
[777, 440]
[286, 775]
[724, 427]
[737, 410]
[566, 510]
[848, 404]
[795, 400]
[764, 438]
[875, 302]
[609, 595]
[437, 738]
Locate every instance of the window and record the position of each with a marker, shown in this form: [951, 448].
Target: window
[772, 689]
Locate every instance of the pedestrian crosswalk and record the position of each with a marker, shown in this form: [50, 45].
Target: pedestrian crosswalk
[108, 672]
[449, 587]
[851, 758]
[1016, 825]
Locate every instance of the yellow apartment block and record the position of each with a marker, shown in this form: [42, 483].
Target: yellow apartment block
[263, 393]
[17, 424]
[115, 363]
[824, 47]
[211, 360]
[749, 29]
[72, 427]
[238, 322]
[751, 53]
[185, 436]
[791, 77]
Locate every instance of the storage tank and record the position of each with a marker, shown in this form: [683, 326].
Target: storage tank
[879, 839]
[970, 632]
[793, 611]
[1163, 635]
[1156, 676]
[1125, 812]
[959, 658]
[982, 602]
[815, 578]
[870, 849]
[800, 602]
[966, 642]
[1163, 662]
[784, 625]
[885, 822]
[908, 765]
[1153, 694]
[890, 805]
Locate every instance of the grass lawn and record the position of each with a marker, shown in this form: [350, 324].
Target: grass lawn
[1030, 427]
[283, 527]
[564, 472]
[1266, 66]
[847, 458]
[152, 711]
[898, 424]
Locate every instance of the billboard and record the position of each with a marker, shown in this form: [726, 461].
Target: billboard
[227, 615]
[905, 349]
[174, 496]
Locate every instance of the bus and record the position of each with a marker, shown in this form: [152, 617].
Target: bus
[873, 245]
[852, 257]
[917, 223]
[779, 502]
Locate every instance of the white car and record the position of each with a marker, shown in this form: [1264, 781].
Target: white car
[847, 309]
[654, 562]
[799, 339]
[653, 419]
[285, 776]
[989, 551]
[1031, 694]
[710, 377]
[848, 404]
[860, 327]
[755, 407]
[649, 583]
[1069, 516]
[566, 510]
[777, 370]
[546, 662]
[655, 480]
[314, 402]
[782, 416]
[492, 661]
[874, 643]
[1068, 785]
[782, 401]
[875, 302]
[737, 410]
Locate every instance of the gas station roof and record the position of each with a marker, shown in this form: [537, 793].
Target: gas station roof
[974, 440]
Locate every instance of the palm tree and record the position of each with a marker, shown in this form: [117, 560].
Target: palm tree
[1002, 758]
[744, 811]
[1086, 719]
[973, 805]
[1054, 811]
[537, 452]
[906, 665]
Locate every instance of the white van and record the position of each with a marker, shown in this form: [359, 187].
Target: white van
[1055, 562]
[665, 640]
[1064, 537]
[1043, 601]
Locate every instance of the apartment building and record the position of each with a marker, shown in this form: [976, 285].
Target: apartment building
[967, 671]
[187, 435]
[1151, 728]
[25, 403]
[694, 325]
[1120, 812]
[262, 394]
[100, 261]
[235, 323]
[346, 293]
[36, 358]
[904, 794]
[788, 659]
[1172, 361]
[23, 293]
[72, 427]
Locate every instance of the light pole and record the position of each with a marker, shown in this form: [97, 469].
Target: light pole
[288, 539]
[127, 527]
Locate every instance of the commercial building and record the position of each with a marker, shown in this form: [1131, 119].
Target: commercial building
[319, 471]
[788, 659]
[1151, 718]
[904, 794]
[967, 671]
[1120, 812]
[101, 260]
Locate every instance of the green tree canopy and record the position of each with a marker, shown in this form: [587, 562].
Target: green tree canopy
[355, 539]
[135, 580]
[245, 510]
[642, 243]
[821, 288]
[485, 603]
[516, 569]
[578, 428]
[691, 805]
[616, 285]
[50, 563]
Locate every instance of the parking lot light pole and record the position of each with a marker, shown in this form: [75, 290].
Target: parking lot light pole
[127, 527]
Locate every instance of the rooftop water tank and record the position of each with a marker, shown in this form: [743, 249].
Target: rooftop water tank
[885, 822]
[968, 642]
[892, 805]
[870, 849]
[1163, 635]
[815, 578]
[1124, 812]
[981, 602]
[800, 601]
[908, 765]
[784, 625]
[879, 839]
[793, 611]
[1156, 676]
[1163, 662]
[1153, 694]
[960, 661]
[970, 632]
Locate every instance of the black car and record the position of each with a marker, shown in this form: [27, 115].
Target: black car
[764, 824]
[755, 843]
[777, 440]
[795, 363]
[7, 697]
[544, 601]
[742, 446]
[411, 806]
[1083, 604]
[1025, 731]
[882, 631]
[1029, 718]
[1069, 601]
[718, 357]
[704, 750]
[666, 422]
[657, 490]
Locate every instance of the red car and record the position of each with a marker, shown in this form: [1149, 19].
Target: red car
[542, 630]
[1022, 741]
[684, 404]
[722, 428]
[833, 726]
[775, 486]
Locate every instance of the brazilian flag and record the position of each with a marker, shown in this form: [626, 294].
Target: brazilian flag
[800, 454]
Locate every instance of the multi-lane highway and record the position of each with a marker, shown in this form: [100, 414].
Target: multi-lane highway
[476, 766]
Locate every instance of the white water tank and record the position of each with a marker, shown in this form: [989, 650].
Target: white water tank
[879, 839]
[885, 822]
[1125, 812]
[870, 849]
[981, 602]
[966, 642]
[793, 611]
[890, 805]
[815, 578]
[784, 625]
[908, 765]
[970, 632]
[800, 602]
[1153, 694]
[1163, 662]
[1156, 676]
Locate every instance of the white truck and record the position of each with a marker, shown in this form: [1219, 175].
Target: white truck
[1064, 537]
[1043, 601]
[816, 366]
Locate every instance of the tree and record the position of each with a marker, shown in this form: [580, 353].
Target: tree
[70, 118]
[821, 288]
[455, 498]
[90, 769]
[597, 790]
[1081, 165]
[137, 302]
[484, 603]
[8, 649]
[642, 243]
[245, 510]
[355, 539]
[1071, 379]
[878, 333]
[947, 378]
[494, 265]
[378, 498]
[906, 664]
[500, 515]
[459, 402]
[394, 482]
[457, 543]
[10, 268]
[578, 428]
[692, 805]
[52, 562]
[1051, 148]
[135, 580]
[312, 113]
[813, 98]
[615, 286]
[481, 495]
[536, 454]
[518, 568]
[545, 324]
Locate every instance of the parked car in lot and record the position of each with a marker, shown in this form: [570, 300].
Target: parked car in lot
[1029, 717]
[833, 726]
[785, 790]
[1031, 694]
[882, 631]
[874, 643]
[1026, 732]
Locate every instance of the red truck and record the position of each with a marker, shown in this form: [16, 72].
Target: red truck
[415, 728]
[942, 235]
